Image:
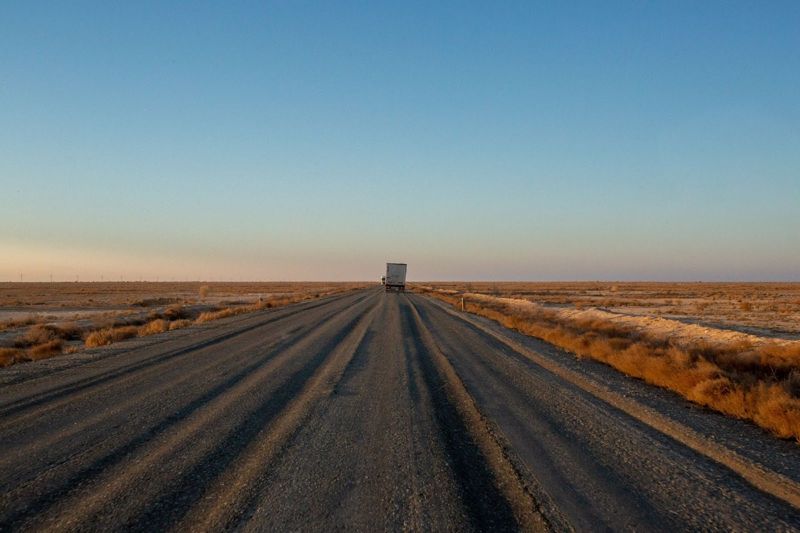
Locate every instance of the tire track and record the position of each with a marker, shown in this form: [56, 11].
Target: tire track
[212, 366]
[99, 421]
[39, 403]
[561, 434]
[368, 412]
[233, 492]
[501, 470]
[68, 388]
[771, 482]
[371, 456]
[91, 492]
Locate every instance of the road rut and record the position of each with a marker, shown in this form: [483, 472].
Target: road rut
[364, 411]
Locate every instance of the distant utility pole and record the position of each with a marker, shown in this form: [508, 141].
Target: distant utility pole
[51, 277]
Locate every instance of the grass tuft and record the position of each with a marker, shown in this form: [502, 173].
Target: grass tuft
[154, 326]
[9, 356]
[105, 336]
[178, 324]
[45, 350]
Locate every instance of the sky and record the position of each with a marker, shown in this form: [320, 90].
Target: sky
[474, 141]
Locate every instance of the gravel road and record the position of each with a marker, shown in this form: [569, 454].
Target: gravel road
[370, 411]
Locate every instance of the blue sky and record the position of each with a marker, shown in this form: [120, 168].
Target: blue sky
[298, 140]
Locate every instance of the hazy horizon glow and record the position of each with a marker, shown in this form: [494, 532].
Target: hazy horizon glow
[622, 141]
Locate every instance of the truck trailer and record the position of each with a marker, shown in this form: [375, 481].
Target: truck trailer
[395, 279]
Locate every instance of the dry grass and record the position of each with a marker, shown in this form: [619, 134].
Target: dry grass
[181, 323]
[176, 312]
[208, 316]
[757, 383]
[46, 349]
[226, 312]
[35, 335]
[9, 356]
[158, 325]
[173, 306]
[34, 352]
[40, 341]
[766, 306]
[19, 322]
[105, 336]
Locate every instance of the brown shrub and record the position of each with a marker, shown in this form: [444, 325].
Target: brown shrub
[175, 312]
[257, 306]
[155, 326]
[38, 334]
[69, 331]
[788, 353]
[777, 410]
[43, 333]
[102, 337]
[177, 324]
[216, 315]
[8, 356]
[45, 350]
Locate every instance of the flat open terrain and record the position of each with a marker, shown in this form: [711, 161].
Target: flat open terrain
[71, 300]
[732, 347]
[768, 309]
[43, 320]
[366, 411]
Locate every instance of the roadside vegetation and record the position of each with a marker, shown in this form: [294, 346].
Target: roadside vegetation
[764, 308]
[756, 380]
[39, 339]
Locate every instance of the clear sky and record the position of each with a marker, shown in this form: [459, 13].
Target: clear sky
[495, 140]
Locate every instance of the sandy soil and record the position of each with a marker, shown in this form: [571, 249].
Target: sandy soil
[761, 309]
[678, 332]
[97, 304]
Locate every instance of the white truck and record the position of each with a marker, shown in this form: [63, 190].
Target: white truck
[395, 278]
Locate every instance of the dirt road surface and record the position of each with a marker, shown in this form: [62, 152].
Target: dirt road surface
[370, 411]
